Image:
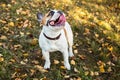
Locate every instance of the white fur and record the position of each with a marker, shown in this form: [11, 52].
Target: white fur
[56, 45]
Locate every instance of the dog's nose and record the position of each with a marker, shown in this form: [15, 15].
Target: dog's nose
[60, 12]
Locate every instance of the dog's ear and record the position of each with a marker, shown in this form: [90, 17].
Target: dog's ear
[39, 16]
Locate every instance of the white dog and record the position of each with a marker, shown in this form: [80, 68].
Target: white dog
[56, 35]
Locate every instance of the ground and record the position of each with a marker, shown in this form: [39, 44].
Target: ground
[96, 28]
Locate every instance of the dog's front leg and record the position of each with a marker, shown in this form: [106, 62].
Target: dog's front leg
[66, 59]
[47, 59]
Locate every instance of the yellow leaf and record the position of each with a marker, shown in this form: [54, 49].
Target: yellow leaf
[35, 79]
[82, 56]
[35, 62]
[25, 54]
[86, 73]
[11, 24]
[2, 21]
[72, 62]
[87, 31]
[101, 68]
[109, 69]
[1, 59]
[40, 68]
[34, 41]
[3, 37]
[32, 71]
[3, 5]
[56, 62]
[76, 70]
[75, 51]
[78, 78]
[91, 73]
[110, 48]
[66, 76]
[62, 67]
[97, 35]
[25, 24]
[23, 75]
[12, 60]
[17, 46]
[96, 73]
[22, 62]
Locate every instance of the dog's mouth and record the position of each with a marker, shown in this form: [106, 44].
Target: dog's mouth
[60, 21]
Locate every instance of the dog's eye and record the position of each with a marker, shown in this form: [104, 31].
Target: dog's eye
[51, 13]
[60, 12]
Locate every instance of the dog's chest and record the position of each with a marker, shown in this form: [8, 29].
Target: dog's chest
[53, 45]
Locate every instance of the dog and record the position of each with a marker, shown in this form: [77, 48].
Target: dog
[56, 35]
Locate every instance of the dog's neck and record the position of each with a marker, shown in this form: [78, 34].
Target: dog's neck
[50, 32]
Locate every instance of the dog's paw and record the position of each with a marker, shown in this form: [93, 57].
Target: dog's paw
[71, 54]
[47, 65]
[67, 66]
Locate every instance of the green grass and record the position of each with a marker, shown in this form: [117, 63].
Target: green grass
[96, 29]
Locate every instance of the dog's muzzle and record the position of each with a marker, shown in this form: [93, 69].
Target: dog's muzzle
[60, 21]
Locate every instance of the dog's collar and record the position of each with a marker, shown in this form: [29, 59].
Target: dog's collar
[56, 38]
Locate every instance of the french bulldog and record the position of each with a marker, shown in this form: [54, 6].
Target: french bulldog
[56, 35]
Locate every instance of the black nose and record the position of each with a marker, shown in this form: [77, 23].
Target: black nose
[60, 12]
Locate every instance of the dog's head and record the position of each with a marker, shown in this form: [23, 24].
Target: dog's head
[53, 18]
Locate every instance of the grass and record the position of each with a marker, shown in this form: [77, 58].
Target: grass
[96, 29]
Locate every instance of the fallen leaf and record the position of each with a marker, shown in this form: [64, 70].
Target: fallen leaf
[2, 21]
[34, 41]
[18, 79]
[1, 59]
[1, 55]
[12, 60]
[56, 62]
[25, 24]
[96, 35]
[75, 51]
[82, 57]
[23, 75]
[17, 46]
[79, 78]
[72, 62]
[35, 79]
[11, 24]
[87, 31]
[101, 68]
[62, 67]
[109, 69]
[86, 73]
[85, 68]
[40, 68]
[91, 73]
[96, 73]
[35, 62]
[25, 54]
[32, 71]
[3, 5]
[3, 37]
[66, 76]
[14, 74]
[22, 62]
[110, 48]
[76, 70]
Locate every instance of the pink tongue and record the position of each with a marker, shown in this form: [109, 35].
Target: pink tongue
[52, 22]
[62, 19]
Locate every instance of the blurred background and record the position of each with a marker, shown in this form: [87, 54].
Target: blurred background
[96, 28]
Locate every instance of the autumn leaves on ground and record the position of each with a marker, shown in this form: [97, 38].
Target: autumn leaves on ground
[96, 28]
